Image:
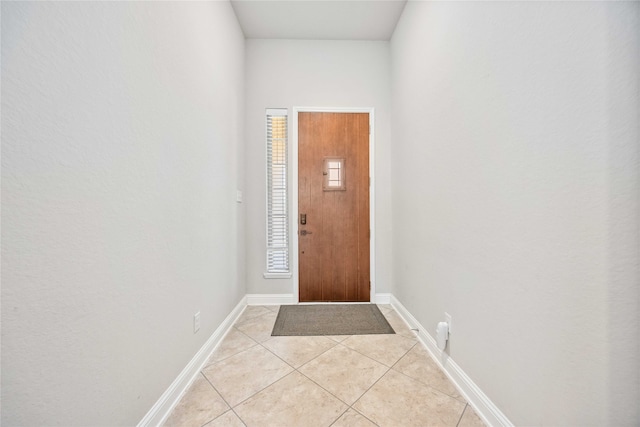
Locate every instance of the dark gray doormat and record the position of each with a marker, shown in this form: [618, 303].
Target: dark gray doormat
[330, 319]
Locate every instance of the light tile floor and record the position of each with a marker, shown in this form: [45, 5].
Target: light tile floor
[254, 379]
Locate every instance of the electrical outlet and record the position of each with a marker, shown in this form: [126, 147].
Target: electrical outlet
[196, 322]
[447, 318]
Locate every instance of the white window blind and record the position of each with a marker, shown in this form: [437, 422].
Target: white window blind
[277, 206]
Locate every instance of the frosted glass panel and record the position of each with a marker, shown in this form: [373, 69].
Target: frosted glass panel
[334, 175]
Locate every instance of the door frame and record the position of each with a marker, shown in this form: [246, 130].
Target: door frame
[293, 178]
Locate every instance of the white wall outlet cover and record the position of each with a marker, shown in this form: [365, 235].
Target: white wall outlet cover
[238, 196]
[442, 335]
[447, 318]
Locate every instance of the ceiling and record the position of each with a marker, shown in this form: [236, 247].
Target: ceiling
[318, 19]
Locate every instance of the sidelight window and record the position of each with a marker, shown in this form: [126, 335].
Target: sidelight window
[277, 187]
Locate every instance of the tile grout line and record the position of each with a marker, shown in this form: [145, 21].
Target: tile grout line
[262, 389]
[341, 343]
[261, 345]
[383, 364]
[279, 379]
[372, 422]
[268, 385]
[428, 386]
[375, 382]
[234, 354]
[225, 401]
[462, 414]
[339, 416]
[349, 406]
[232, 408]
[423, 383]
[239, 322]
[389, 368]
[365, 392]
[315, 357]
[364, 355]
[238, 325]
[225, 412]
[313, 381]
[336, 397]
[257, 343]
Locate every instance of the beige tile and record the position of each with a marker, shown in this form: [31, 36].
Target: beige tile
[259, 328]
[345, 373]
[385, 308]
[397, 400]
[251, 312]
[292, 401]
[228, 419]
[420, 366]
[352, 418]
[470, 418]
[386, 349]
[200, 404]
[233, 343]
[272, 307]
[338, 338]
[297, 351]
[244, 374]
[399, 325]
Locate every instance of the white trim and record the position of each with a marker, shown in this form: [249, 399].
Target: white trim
[277, 111]
[383, 299]
[293, 162]
[170, 398]
[277, 275]
[483, 406]
[270, 299]
[336, 303]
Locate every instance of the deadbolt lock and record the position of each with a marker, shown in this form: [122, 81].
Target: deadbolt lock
[303, 219]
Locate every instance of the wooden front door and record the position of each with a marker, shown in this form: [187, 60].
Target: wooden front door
[333, 206]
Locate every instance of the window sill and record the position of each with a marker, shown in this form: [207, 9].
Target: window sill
[277, 275]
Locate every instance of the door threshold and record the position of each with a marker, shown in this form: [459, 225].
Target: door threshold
[334, 302]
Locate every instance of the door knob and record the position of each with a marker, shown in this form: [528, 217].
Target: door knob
[305, 232]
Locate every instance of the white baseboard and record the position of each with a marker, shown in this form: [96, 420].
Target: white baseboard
[270, 299]
[382, 299]
[483, 406]
[170, 398]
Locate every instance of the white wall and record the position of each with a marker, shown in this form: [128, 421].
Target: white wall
[304, 73]
[515, 199]
[121, 137]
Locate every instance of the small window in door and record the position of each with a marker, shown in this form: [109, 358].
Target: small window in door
[333, 172]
